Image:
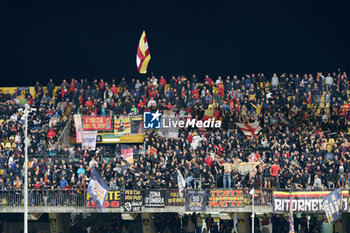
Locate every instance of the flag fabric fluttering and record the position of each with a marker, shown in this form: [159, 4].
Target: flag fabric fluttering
[283, 119]
[181, 183]
[333, 206]
[127, 153]
[143, 55]
[210, 113]
[98, 189]
[244, 168]
[249, 129]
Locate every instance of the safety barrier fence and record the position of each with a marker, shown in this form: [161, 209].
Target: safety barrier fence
[133, 200]
[117, 198]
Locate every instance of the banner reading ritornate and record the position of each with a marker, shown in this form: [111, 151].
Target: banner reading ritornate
[303, 201]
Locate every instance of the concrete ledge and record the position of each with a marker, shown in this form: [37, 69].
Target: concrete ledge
[80, 209]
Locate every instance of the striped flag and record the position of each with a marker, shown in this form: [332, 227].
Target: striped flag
[127, 153]
[143, 55]
[210, 113]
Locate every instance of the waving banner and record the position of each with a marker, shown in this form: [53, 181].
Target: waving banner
[249, 129]
[333, 206]
[244, 168]
[98, 189]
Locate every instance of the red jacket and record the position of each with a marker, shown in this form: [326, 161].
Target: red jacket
[51, 133]
[209, 160]
[162, 81]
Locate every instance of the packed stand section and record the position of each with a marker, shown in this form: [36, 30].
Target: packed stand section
[47, 116]
[303, 142]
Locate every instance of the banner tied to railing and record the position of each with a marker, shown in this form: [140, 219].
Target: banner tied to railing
[174, 199]
[112, 200]
[132, 200]
[196, 200]
[226, 198]
[155, 198]
[122, 125]
[303, 201]
[97, 123]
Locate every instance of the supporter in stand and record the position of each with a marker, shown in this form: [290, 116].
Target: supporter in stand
[304, 132]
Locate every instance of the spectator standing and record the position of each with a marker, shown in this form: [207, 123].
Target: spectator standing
[274, 81]
[199, 223]
[191, 227]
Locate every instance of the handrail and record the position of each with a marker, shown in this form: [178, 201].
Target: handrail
[77, 197]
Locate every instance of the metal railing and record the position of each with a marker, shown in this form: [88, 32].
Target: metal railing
[79, 198]
[39, 197]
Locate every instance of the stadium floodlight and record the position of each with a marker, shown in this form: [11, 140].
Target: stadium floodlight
[26, 112]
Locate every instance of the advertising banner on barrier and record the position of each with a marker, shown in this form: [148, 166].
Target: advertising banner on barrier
[97, 123]
[303, 201]
[196, 200]
[174, 199]
[132, 200]
[155, 198]
[112, 200]
[226, 198]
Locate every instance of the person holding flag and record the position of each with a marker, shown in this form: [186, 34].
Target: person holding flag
[180, 182]
[98, 189]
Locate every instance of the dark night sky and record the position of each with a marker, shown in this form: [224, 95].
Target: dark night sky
[65, 39]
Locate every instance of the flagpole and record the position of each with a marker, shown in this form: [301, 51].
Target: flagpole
[291, 218]
[25, 228]
[253, 212]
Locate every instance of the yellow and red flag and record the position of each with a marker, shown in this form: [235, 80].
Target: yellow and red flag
[210, 113]
[143, 55]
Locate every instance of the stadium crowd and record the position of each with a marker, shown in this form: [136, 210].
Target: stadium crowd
[303, 142]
